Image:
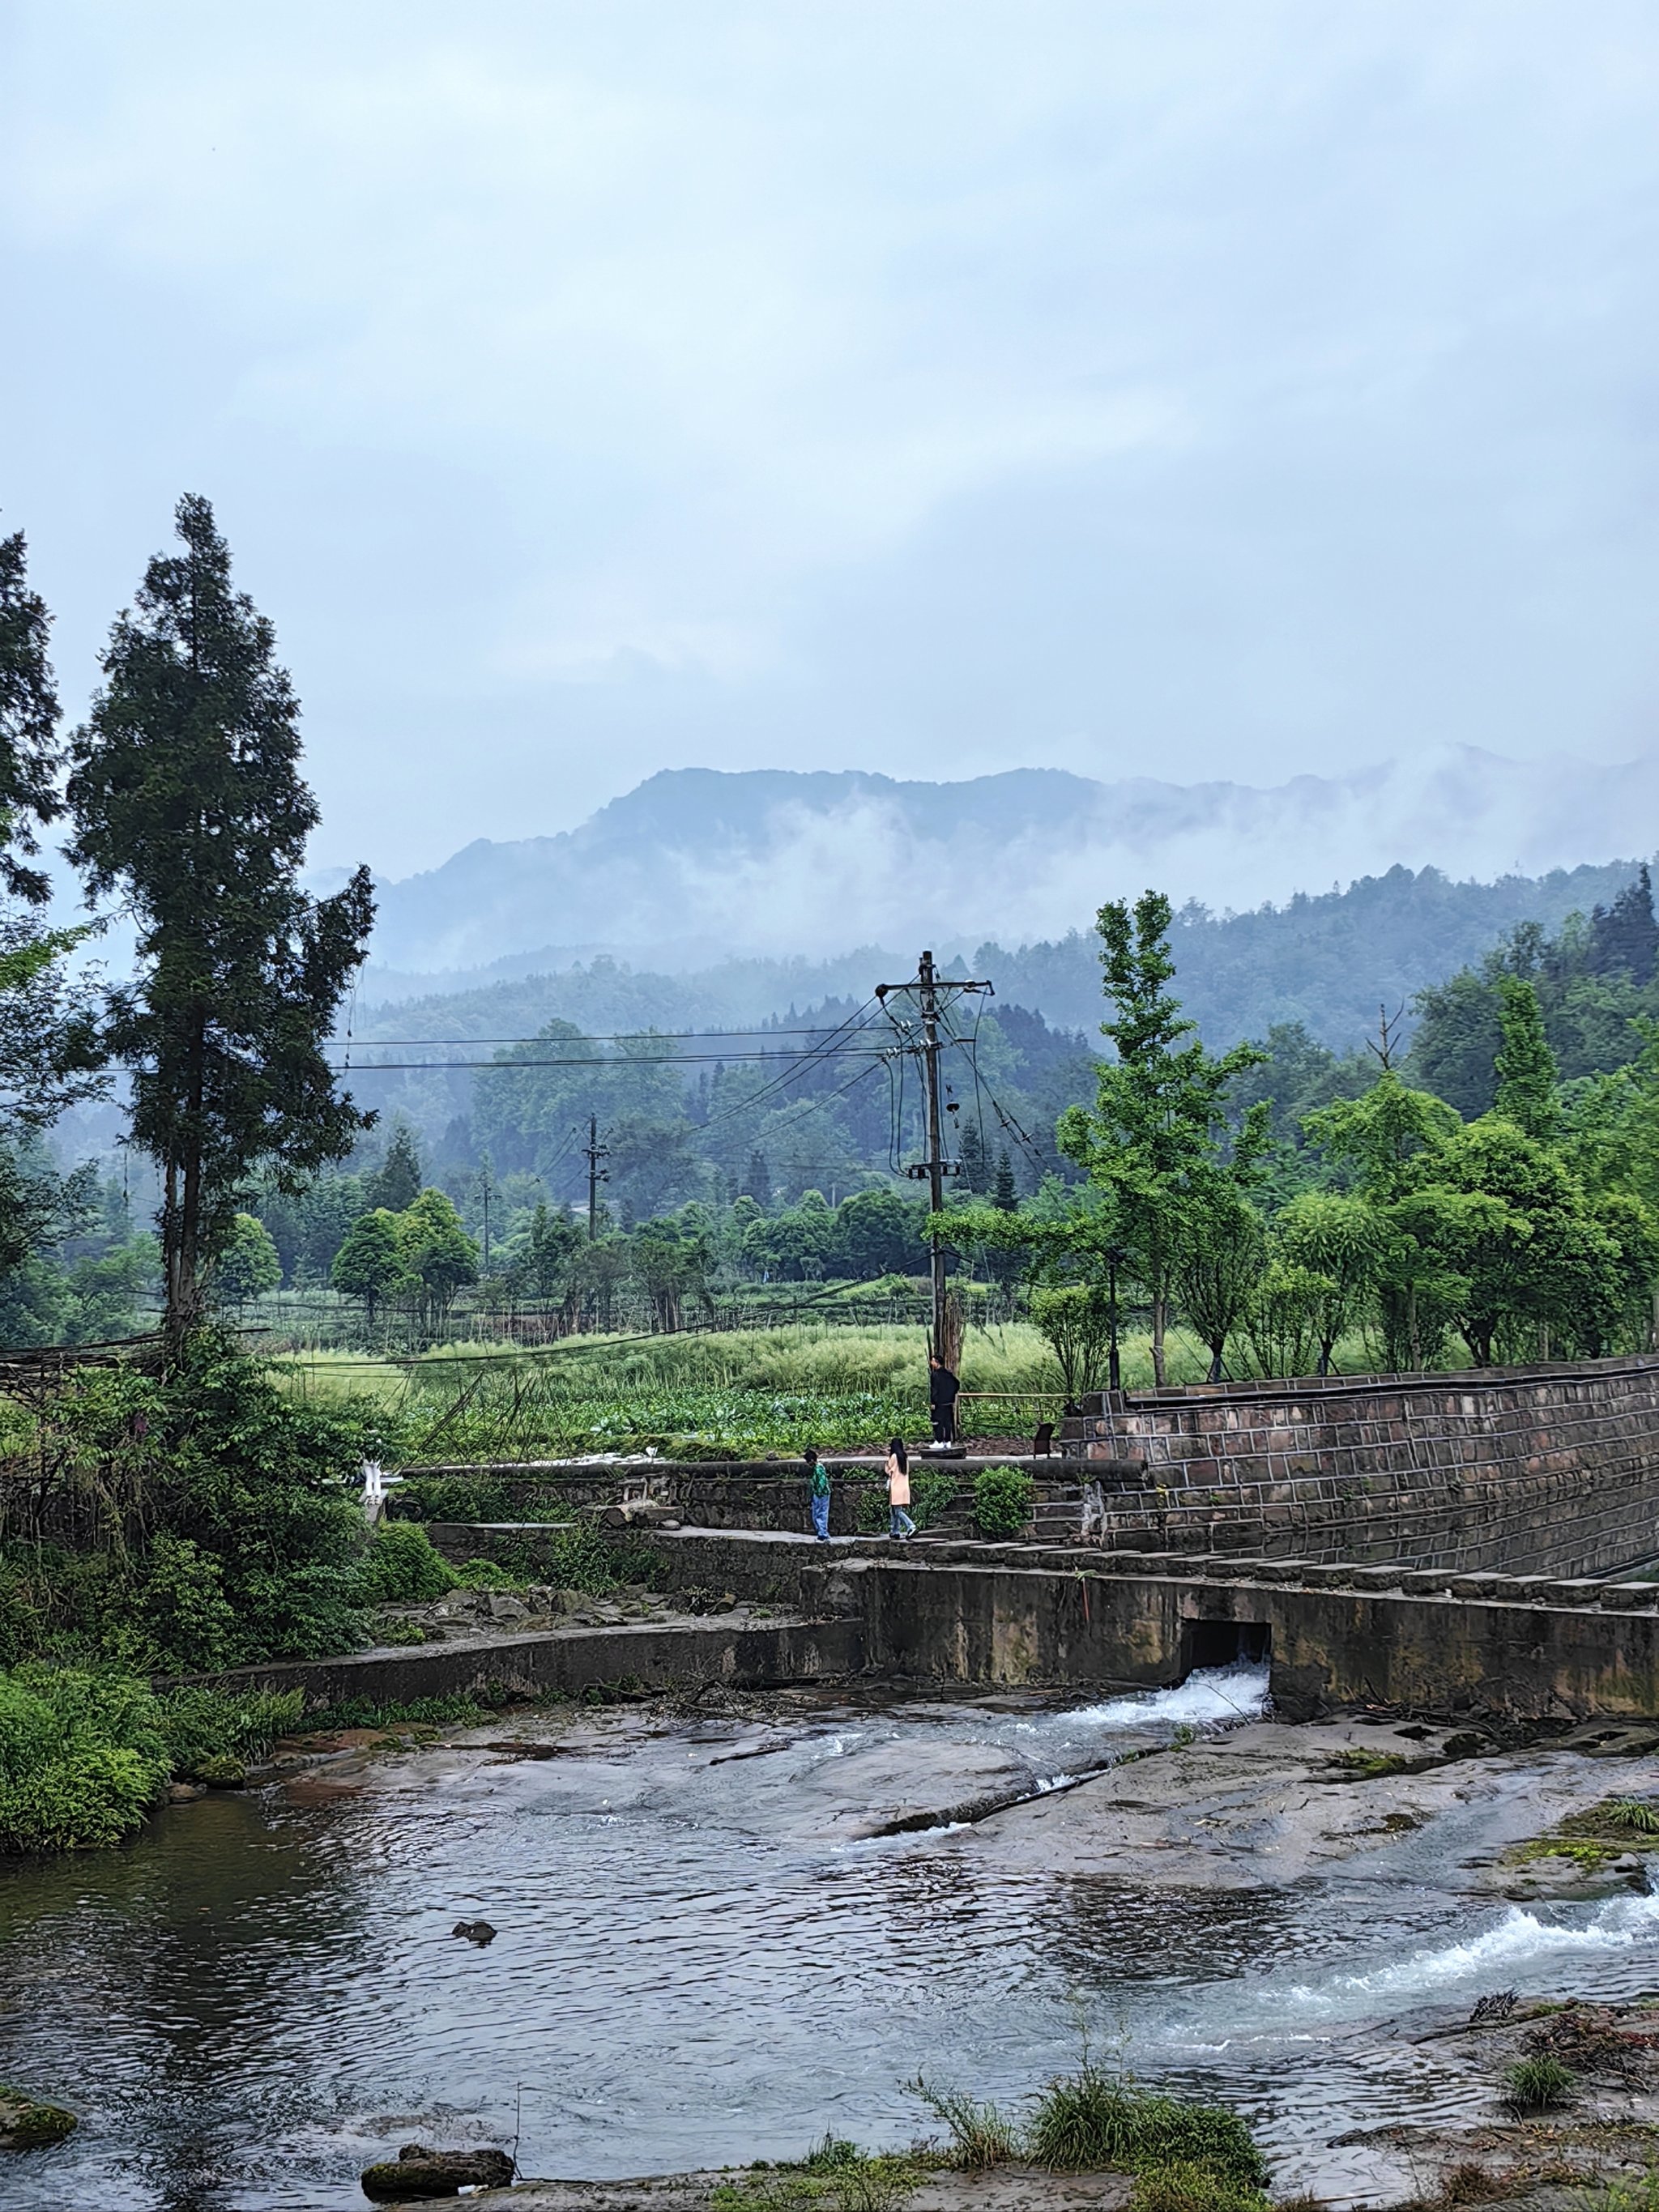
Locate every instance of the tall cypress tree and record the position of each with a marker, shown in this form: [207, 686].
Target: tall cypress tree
[186, 798]
[29, 724]
[1525, 1065]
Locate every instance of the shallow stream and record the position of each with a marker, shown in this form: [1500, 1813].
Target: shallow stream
[262, 1993]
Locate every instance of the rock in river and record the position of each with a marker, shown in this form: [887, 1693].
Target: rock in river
[417, 2172]
[26, 2123]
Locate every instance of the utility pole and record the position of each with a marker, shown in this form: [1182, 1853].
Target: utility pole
[927, 987]
[596, 1175]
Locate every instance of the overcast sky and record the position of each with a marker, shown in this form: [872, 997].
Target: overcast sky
[1224, 390]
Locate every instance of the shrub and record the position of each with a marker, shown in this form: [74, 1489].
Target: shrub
[403, 1568]
[174, 1618]
[1537, 2085]
[207, 1729]
[1184, 2187]
[81, 1759]
[1002, 1501]
[981, 2136]
[1090, 2121]
[1640, 1813]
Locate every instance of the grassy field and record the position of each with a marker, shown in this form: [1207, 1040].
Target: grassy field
[748, 1392]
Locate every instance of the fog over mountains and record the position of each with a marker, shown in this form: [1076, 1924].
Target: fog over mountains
[698, 866]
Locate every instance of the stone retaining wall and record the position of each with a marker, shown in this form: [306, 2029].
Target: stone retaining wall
[682, 1654]
[1549, 1470]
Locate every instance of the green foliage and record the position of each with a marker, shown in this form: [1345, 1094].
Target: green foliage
[982, 2137]
[1092, 2122]
[437, 1253]
[220, 1519]
[834, 2176]
[1284, 1316]
[1641, 1813]
[1525, 1065]
[172, 1616]
[369, 1264]
[1002, 1501]
[247, 1263]
[85, 1755]
[1075, 1322]
[403, 1568]
[187, 801]
[1185, 2187]
[1538, 2084]
[1153, 1142]
[412, 1712]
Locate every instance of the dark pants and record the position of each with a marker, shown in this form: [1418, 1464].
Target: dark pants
[944, 1424]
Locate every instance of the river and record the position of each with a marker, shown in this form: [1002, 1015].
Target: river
[262, 1993]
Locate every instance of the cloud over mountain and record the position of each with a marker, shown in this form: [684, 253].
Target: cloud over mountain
[696, 864]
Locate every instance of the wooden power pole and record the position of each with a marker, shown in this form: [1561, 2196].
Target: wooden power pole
[927, 989]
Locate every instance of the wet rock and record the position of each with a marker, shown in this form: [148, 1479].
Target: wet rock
[184, 1793]
[27, 2124]
[476, 1931]
[418, 2172]
[505, 1606]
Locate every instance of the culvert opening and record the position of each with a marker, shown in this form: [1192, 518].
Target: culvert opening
[1207, 1643]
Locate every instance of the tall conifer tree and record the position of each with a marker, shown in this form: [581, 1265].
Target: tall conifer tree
[1525, 1065]
[29, 725]
[187, 799]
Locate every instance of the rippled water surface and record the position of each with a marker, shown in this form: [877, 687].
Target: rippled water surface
[263, 1993]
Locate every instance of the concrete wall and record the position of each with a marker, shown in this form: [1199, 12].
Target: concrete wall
[682, 1654]
[1330, 1646]
[1550, 1470]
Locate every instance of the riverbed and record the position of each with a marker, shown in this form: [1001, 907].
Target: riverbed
[721, 1934]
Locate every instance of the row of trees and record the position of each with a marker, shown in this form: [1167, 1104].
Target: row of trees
[1531, 1232]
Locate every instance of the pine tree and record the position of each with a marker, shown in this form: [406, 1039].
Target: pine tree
[1625, 936]
[398, 1181]
[974, 1163]
[1006, 1195]
[1525, 1065]
[757, 1180]
[29, 725]
[187, 799]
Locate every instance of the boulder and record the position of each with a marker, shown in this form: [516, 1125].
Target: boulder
[26, 2123]
[417, 2172]
[503, 1606]
[220, 1772]
[476, 1931]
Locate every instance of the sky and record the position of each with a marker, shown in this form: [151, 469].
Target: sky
[1234, 390]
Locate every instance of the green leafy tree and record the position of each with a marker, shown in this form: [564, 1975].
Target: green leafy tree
[1153, 1139]
[370, 1265]
[1282, 1318]
[1340, 1239]
[187, 800]
[438, 1253]
[1221, 1265]
[247, 1264]
[1525, 1065]
[1074, 1319]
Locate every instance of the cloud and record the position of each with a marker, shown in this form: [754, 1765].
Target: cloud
[1225, 390]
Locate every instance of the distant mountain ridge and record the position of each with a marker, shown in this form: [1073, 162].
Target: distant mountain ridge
[698, 866]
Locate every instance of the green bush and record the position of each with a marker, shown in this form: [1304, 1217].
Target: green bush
[174, 1617]
[1538, 2084]
[1091, 2121]
[84, 1756]
[1002, 1501]
[1187, 2188]
[403, 1568]
[81, 1759]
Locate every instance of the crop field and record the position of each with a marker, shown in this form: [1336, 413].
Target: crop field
[745, 1393]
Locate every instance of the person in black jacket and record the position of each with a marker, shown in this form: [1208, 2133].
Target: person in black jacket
[942, 1389]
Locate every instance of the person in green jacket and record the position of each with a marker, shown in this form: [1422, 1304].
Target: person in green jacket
[817, 1475]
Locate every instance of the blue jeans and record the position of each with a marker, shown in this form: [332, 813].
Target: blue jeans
[821, 1519]
[899, 1522]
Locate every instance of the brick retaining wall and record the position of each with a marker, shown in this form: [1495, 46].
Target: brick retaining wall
[1542, 1470]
